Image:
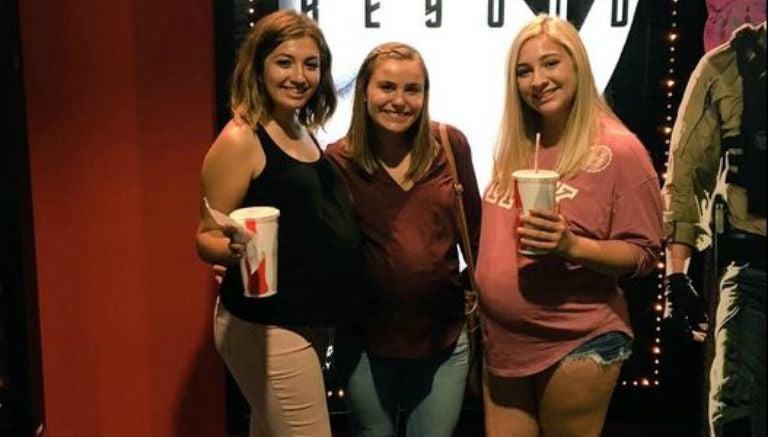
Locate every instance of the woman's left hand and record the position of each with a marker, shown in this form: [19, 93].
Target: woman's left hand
[218, 273]
[545, 230]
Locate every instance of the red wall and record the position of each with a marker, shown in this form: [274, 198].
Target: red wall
[120, 98]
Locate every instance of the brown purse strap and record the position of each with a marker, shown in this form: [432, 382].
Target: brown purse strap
[462, 216]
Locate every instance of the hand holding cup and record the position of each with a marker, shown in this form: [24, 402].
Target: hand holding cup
[544, 231]
[237, 240]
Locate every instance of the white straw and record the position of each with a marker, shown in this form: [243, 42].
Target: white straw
[536, 152]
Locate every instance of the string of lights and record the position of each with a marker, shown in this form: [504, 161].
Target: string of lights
[669, 86]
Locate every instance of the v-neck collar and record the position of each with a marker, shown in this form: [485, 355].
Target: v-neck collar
[388, 173]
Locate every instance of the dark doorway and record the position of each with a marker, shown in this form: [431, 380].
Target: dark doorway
[21, 401]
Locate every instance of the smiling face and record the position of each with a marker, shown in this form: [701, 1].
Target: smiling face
[546, 77]
[292, 73]
[395, 94]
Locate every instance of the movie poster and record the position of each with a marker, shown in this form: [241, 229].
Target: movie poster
[464, 44]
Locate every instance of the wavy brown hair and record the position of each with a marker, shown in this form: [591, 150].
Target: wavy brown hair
[248, 95]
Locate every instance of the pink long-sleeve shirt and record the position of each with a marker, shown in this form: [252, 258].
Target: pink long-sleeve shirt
[537, 309]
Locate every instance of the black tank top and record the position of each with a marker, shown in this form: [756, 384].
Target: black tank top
[311, 256]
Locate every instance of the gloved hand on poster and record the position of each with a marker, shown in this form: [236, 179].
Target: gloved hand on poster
[685, 308]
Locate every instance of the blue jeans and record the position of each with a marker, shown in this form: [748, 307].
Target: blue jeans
[605, 349]
[429, 390]
[737, 399]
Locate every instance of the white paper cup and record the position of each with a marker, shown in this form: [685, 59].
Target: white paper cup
[535, 190]
[258, 267]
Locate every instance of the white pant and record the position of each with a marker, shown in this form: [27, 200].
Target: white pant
[279, 374]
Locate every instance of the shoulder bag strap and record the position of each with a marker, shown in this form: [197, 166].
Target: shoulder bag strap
[462, 217]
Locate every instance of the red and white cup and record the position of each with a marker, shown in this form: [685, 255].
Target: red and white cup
[259, 265]
[534, 189]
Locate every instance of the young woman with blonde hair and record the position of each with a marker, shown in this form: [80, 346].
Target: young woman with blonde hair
[556, 325]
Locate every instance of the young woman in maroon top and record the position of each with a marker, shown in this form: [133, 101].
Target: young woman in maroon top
[556, 325]
[411, 352]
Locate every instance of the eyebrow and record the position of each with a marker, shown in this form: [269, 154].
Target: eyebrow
[407, 84]
[288, 55]
[544, 56]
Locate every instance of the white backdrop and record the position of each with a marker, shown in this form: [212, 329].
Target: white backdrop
[466, 57]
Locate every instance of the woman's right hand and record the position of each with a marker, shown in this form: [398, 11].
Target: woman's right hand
[236, 248]
[546, 230]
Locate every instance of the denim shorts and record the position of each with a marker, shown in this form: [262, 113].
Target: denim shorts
[605, 349]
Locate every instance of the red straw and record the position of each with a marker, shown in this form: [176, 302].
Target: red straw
[536, 153]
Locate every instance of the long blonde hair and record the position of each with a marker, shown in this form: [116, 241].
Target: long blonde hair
[516, 141]
[358, 138]
[248, 94]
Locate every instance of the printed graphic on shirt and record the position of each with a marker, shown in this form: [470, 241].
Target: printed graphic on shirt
[565, 191]
[600, 158]
[494, 197]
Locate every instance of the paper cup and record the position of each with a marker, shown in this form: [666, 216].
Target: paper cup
[259, 265]
[535, 189]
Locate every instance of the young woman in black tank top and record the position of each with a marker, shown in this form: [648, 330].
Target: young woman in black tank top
[266, 156]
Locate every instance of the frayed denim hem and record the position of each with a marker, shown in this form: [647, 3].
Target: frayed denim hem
[606, 349]
[595, 356]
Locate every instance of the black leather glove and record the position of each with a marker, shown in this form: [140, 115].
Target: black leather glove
[687, 313]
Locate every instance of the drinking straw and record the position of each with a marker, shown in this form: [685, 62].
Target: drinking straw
[536, 152]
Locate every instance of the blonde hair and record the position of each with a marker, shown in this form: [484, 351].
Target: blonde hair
[516, 141]
[359, 135]
[249, 99]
